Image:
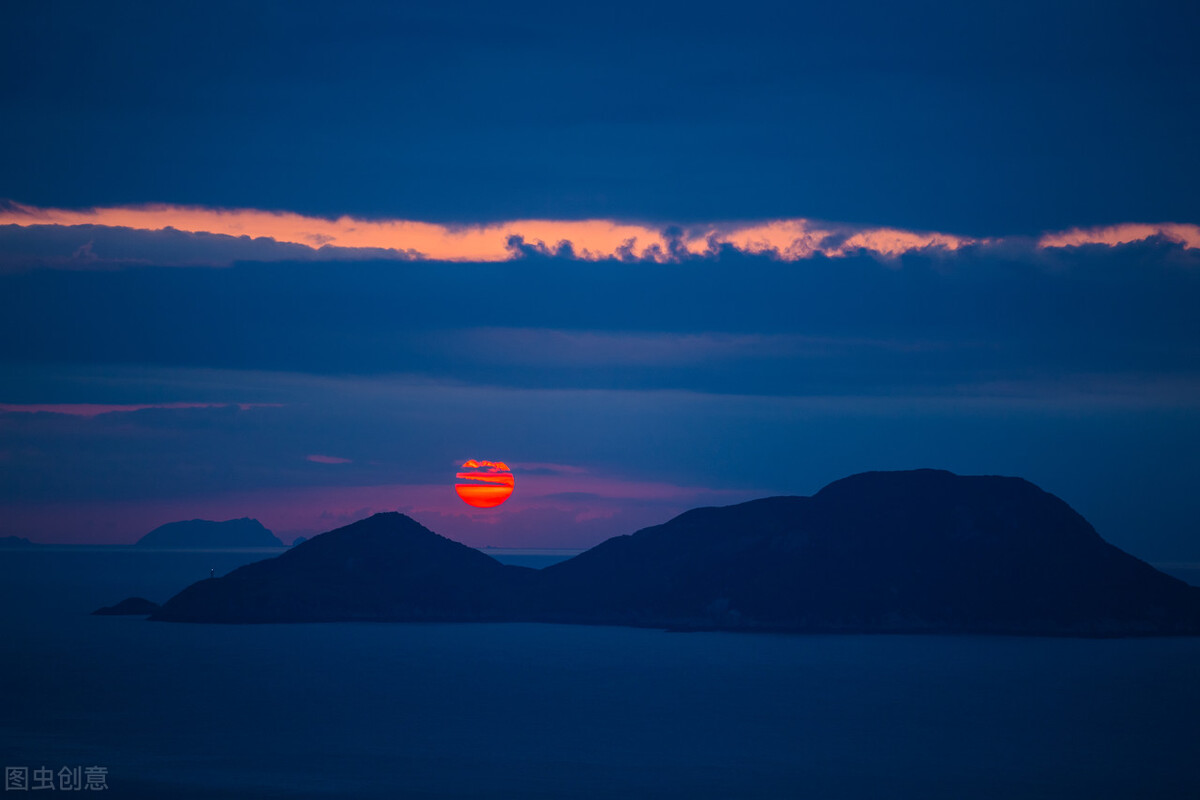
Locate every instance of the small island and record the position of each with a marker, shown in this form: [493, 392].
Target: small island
[130, 606]
[202, 533]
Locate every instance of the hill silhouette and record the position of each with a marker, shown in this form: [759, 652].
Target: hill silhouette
[385, 567]
[880, 551]
[917, 551]
[242, 532]
[15, 542]
[130, 606]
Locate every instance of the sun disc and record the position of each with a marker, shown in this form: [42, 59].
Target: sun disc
[486, 484]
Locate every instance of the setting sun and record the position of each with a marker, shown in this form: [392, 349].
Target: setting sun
[489, 483]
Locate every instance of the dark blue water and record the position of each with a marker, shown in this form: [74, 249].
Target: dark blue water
[544, 711]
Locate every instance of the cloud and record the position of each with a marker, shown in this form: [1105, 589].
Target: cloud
[107, 237]
[589, 239]
[320, 459]
[96, 409]
[518, 347]
[1114, 235]
[541, 468]
[102, 247]
[739, 325]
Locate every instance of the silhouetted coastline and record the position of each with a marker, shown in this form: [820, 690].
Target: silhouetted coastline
[922, 551]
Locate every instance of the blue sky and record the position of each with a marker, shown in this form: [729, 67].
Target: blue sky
[866, 238]
[986, 118]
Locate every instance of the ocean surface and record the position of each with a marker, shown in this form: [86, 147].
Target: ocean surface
[554, 711]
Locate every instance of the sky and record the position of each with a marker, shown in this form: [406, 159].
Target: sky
[300, 262]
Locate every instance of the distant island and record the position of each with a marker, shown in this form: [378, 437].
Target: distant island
[130, 606]
[15, 542]
[242, 532]
[923, 551]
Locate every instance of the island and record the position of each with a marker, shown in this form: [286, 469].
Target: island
[203, 533]
[15, 543]
[921, 551]
[130, 606]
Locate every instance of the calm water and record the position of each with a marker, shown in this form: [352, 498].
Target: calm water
[544, 711]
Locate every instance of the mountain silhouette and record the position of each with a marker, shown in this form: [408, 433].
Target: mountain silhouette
[911, 551]
[385, 567]
[242, 532]
[916, 551]
[15, 542]
[131, 606]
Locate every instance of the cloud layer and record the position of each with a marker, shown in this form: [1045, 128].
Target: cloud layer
[227, 235]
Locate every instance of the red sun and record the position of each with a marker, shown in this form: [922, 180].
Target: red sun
[490, 483]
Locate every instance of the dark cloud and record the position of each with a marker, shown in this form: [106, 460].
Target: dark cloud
[100, 247]
[735, 324]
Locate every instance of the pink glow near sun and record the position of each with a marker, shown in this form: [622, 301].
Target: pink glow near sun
[315, 509]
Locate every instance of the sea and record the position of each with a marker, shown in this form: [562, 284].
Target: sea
[371, 710]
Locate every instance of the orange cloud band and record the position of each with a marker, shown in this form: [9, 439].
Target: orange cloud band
[787, 239]
[1127, 233]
